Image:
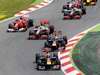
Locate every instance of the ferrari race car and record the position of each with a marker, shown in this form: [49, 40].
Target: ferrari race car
[89, 2]
[55, 43]
[20, 25]
[47, 61]
[72, 14]
[42, 31]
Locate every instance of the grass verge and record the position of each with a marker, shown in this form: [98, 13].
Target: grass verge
[86, 54]
[9, 8]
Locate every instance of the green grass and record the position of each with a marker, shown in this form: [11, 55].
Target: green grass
[87, 52]
[37, 1]
[10, 7]
[96, 29]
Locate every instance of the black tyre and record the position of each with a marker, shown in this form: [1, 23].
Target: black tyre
[30, 23]
[83, 11]
[37, 56]
[45, 44]
[38, 67]
[51, 27]
[65, 39]
[9, 26]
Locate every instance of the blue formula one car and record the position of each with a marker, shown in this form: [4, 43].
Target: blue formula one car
[47, 61]
[55, 42]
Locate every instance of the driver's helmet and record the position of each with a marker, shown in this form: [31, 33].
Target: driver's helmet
[67, 5]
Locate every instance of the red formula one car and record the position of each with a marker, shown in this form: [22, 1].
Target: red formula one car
[42, 31]
[20, 25]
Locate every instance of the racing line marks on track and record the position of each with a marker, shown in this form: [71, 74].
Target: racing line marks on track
[34, 7]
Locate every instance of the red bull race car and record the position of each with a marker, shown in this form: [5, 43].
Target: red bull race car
[41, 32]
[20, 25]
[47, 61]
[56, 42]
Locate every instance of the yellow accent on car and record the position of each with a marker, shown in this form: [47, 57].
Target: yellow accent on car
[88, 1]
[48, 61]
[54, 43]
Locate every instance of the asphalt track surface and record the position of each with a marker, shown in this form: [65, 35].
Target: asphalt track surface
[17, 53]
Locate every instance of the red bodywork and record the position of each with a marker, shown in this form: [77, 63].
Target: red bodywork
[72, 16]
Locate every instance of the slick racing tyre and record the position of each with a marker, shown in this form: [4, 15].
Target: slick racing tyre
[51, 27]
[46, 44]
[83, 11]
[37, 56]
[30, 23]
[65, 39]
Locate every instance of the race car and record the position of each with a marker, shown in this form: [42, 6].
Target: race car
[79, 4]
[41, 32]
[47, 61]
[72, 14]
[67, 6]
[56, 42]
[76, 4]
[89, 2]
[20, 25]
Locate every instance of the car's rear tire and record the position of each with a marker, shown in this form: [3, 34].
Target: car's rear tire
[51, 27]
[65, 39]
[38, 67]
[30, 23]
[46, 44]
[84, 11]
[37, 56]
